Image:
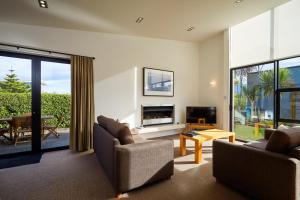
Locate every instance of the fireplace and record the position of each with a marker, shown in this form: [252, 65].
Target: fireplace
[157, 114]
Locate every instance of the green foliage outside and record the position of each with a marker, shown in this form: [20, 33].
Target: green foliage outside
[15, 100]
[250, 94]
[12, 84]
[244, 132]
[240, 102]
[57, 105]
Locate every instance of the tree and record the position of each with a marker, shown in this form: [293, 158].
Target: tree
[12, 84]
[240, 77]
[267, 80]
[252, 94]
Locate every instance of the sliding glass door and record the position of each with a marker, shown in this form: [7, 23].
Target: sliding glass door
[264, 96]
[55, 103]
[34, 103]
[15, 104]
[253, 97]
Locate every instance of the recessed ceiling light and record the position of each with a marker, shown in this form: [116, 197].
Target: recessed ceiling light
[139, 20]
[43, 3]
[190, 28]
[238, 1]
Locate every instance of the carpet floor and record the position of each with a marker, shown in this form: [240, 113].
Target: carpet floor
[64, 175]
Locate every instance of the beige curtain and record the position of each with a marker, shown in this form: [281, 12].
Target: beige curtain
[82, 113]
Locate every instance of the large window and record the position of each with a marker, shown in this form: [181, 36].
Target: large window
[253, 100]
[264, 96]
[35, 103]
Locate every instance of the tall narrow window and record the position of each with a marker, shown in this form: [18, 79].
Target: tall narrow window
[55, 103]
[253, 100]
[15, 105]
[289, 91]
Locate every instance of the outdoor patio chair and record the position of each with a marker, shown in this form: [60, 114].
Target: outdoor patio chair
[51, 129]
[21, 125]
[3, 131]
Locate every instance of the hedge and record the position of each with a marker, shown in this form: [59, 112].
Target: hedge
[58, 105]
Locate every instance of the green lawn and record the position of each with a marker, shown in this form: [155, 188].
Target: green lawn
[244, 132]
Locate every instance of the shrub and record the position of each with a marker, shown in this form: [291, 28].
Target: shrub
[58, 105]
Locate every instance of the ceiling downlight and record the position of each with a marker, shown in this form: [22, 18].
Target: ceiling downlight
[43, 3]
[139, 20]
[190, 28]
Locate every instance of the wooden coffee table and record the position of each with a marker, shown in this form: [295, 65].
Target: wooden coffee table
[203, 136]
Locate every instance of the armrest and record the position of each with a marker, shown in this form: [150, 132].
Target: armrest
[257, 172]
[142, 163]
[268, 133]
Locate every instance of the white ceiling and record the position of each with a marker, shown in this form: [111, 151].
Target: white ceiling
[167, 19]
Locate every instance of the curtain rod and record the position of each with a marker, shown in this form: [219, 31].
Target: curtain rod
[42, 50]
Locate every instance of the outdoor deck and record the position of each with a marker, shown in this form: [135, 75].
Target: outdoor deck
[50, 142]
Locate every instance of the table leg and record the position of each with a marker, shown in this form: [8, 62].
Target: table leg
[11, 134]
[198, 151]
[256, 129]
[232, 138]
[182, 147]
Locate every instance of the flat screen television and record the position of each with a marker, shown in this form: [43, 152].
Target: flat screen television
[208, 113]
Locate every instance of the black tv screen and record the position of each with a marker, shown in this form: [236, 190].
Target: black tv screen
[208, 113]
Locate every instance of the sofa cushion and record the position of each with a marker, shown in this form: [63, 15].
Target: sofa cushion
[278, 142]
[282, 141]
[104, 121]
[294, 134]
[268, 133]
[282, 127]
[124, 136]
[111, 125]
[116, 129]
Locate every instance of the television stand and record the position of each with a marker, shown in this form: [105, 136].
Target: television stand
[192, 126]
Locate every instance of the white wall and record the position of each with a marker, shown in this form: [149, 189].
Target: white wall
[118, 67]
[214, 76]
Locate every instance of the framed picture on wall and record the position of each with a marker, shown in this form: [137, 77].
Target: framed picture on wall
[157, 82]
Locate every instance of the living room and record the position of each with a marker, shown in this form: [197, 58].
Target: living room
[203, 46]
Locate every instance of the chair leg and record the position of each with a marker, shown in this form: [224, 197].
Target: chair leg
[54, 132]
[16, 138]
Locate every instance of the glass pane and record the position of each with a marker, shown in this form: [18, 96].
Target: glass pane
[56, 104]
[253, 101]
[289, 73]
[15, 105]
[290, 105]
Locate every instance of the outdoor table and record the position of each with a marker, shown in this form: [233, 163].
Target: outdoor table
[9, 121]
